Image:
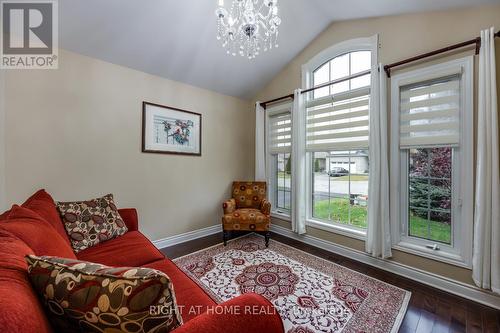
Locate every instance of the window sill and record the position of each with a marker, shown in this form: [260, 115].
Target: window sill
[281, 216]
[447, 257]
[338, 229]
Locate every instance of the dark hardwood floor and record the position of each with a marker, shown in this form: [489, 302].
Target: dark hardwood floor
[430, 310]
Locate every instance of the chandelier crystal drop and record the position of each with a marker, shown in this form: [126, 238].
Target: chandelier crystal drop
[248, 27]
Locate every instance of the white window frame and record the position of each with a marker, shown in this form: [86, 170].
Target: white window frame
[271, 162]
[459, 253]
[352, 45]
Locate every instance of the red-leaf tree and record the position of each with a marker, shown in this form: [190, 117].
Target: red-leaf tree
[430, 183]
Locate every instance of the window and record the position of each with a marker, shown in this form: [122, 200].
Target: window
[283, 183]
[337, 117]
[432, 161]
[279, 145]
[340, 187]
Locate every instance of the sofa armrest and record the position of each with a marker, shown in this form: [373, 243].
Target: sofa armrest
[248, 313]
[229, 206]
[129, 216]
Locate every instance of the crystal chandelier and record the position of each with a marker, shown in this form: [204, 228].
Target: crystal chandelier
[248, 27]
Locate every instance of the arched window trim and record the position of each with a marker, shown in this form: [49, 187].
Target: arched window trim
[351, 45]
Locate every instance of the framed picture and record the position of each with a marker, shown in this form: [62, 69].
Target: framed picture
[168, 130]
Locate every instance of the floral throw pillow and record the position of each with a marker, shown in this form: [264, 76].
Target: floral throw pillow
[91, 222]
[81, 296]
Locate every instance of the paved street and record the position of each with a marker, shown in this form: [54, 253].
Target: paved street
[321, 181]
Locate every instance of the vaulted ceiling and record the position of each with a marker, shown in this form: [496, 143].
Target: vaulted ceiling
[176, 39]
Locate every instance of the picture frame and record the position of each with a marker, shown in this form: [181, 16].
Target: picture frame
[169, 130]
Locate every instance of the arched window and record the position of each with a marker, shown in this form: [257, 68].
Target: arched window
[343, 66]
[339, 61]
[337, 134]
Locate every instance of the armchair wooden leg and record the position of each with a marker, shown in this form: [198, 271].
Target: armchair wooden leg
[224, 236]
[267, 236]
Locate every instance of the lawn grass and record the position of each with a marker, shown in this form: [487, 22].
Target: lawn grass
[439, 231]
[340, 212]
[282, 174]
[339, 207]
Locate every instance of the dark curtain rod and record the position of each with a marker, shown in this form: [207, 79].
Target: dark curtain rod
[387, 68]
[476, 41]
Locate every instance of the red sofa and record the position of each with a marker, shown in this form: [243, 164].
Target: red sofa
[36, 228]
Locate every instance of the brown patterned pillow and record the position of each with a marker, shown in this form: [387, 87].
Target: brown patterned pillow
[87, 297]
[91, 222]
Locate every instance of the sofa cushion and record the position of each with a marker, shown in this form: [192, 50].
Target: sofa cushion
[191, 299]
[42, 203]
[21, 310]
[131, 249]
[89, 297]
[37, 233]
[91, 222]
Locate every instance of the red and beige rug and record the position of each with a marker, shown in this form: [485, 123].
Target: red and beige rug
[310, 293]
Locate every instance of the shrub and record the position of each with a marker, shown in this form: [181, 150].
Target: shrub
[288, 166]
[316, 165]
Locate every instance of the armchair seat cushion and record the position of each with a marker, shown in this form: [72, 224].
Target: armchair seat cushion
[246, 219]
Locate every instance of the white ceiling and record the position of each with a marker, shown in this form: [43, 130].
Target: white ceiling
[176, 39]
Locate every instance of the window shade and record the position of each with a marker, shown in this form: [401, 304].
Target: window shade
[430, 113]
[338, 122]
[280, 129]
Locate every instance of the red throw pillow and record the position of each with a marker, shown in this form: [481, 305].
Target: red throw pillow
[42, 203]
[37, 233]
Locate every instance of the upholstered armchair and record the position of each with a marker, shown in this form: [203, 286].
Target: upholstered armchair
[247, 210]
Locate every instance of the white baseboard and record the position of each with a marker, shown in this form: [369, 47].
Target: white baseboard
[187, 236]
[449, 285]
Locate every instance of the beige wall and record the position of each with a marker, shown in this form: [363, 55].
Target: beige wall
[76, 131]
[401, 37]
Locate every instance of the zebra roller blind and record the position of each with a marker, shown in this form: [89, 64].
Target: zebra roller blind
[430, 113]
[338, 122]
[280, 129]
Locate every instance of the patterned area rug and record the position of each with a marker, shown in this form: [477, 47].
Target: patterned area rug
[311, 294]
